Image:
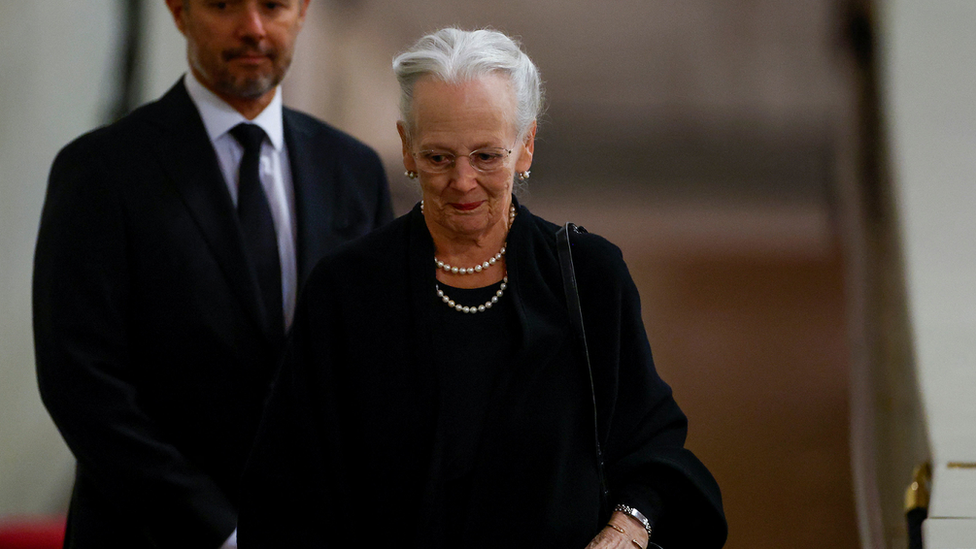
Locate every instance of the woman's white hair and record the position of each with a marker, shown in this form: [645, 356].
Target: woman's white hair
[454, 56]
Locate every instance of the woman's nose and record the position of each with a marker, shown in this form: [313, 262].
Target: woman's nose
[465, 176]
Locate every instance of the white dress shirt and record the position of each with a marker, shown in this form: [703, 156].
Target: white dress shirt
[275, 173]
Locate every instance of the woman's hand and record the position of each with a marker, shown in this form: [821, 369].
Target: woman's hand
[621, 533]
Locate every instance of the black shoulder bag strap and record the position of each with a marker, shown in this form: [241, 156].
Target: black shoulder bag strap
[576, 317]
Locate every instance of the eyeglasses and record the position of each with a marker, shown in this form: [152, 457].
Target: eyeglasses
[486, 161]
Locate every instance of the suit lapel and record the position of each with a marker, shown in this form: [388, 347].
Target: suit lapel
[314, 206]
[189, 158]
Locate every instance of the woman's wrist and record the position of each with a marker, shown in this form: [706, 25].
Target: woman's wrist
[635, 515]
[630, 528]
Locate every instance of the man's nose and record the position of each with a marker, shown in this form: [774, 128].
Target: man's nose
[251, 23]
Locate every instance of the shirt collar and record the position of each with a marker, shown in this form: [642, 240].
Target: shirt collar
[219, 117]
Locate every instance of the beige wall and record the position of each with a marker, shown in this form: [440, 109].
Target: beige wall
[929, 55]
[55, 83]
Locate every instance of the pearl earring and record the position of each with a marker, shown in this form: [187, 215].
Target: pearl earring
[411, 174]
[524, 176]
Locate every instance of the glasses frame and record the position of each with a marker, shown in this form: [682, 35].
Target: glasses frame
[454, 157]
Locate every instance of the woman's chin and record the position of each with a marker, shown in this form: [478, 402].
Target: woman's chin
[469, 225]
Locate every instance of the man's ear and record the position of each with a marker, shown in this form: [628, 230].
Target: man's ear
[178, 10]
[301, 12]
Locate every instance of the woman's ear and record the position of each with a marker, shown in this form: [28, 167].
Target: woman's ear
[526, 150]
[408, 161]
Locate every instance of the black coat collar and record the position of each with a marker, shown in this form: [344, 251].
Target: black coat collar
[188, 158]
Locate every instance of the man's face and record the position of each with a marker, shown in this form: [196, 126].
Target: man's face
[239, 49]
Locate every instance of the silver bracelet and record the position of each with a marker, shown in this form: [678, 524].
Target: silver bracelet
[630, 511]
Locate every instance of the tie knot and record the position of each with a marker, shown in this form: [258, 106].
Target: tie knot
[250, 136]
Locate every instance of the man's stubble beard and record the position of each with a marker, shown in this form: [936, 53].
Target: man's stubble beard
[243, 87]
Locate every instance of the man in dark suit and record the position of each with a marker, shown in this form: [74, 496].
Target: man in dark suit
[171, 248]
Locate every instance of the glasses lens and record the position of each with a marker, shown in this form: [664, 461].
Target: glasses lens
[483, 160]
[435, 161]
[488, 160]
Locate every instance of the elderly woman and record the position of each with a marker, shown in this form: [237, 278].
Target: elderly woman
[433, 393]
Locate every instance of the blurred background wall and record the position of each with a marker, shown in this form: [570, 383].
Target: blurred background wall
[56, 81]
[929, 95]
[732, 149]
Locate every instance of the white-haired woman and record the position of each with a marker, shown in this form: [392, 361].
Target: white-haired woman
[433, 393]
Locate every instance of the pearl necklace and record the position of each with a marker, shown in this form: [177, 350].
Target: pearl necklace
[476, 269]
[470, 270]
[475, 309]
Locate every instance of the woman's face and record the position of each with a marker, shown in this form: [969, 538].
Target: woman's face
[457, 119]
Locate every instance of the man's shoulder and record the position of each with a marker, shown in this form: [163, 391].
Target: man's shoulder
[311, 128]
[379, 254]
[127, 133]
[101, 144]
[381, 245]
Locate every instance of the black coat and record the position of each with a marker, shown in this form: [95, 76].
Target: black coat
[153, 357]
[349, 446]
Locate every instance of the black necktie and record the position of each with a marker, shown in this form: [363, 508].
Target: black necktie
[259, 231]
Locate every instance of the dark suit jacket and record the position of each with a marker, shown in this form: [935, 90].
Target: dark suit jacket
[152, 355]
